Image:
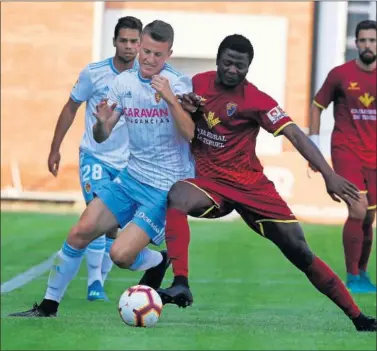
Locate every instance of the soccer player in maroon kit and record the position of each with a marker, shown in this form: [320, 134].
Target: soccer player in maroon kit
[352, 89]
[229, 176]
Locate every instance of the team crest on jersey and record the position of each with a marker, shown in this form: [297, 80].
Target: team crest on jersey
[353, 86]
[211, 119]
[157, 97]
[231, 108]
[276, 114]
[366, 99]
[88, 187]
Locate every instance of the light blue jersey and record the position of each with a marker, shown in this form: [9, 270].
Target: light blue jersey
[160, 156]
[93, 85]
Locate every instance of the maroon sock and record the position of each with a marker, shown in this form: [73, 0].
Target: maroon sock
[352, 243]
[367, 246]
[329, 284]
[177, 236]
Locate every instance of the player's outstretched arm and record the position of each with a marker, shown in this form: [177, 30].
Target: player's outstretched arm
[107, 117]
[336, 185]
[182, 119]
[63, 124]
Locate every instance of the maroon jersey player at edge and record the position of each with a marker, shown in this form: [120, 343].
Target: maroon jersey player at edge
[230, 176]
[352, 88]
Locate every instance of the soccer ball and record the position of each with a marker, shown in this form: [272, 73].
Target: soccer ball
[140, 306]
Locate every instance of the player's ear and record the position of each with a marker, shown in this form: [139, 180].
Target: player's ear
[114, 40]
[170, 52]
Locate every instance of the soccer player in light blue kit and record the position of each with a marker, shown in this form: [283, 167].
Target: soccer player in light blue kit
[159, 156]
[99, 163]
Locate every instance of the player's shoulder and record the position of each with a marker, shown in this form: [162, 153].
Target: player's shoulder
[256, 98]
[204, 76]
[343, 68]
[171, 73]
[130, 75]
[99, 65]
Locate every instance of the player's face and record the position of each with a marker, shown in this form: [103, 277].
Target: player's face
[152, 56]
[232, 67]
[366, 44]
[127, 44]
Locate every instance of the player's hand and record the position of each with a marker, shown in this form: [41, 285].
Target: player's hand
[339, 187]
[104, 111]
[54, 162]
[162, 86]
[191, 102]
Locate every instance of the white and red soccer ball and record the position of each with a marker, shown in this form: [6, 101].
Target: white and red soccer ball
[140, 306]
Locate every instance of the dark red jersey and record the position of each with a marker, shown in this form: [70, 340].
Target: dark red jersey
[226, 131]
[353, 92]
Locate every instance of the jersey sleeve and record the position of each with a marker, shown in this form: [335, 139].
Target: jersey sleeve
[325, 95]
[114, 95]
[271, 116]
[183, 85]
[83, 89]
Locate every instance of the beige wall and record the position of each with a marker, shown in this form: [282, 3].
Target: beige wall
[43, 48]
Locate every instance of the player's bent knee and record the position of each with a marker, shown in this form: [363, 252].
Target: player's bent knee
[358, 209]
[177, 198]
[121, 257]
[81, 234]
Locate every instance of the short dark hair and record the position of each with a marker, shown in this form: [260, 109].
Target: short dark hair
[160, 31]
[365, 25]
[128, 22]
[237, 43]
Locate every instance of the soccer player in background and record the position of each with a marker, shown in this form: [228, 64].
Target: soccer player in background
[352, 89]
[230, 113]
[159, 156]
[99, 163]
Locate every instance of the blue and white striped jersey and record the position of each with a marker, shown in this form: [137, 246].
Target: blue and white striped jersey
[93, 85]
[159, 155]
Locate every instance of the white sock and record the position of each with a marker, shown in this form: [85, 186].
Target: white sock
[107, 262]
[94, 255]
[65, 268]
[146, 259]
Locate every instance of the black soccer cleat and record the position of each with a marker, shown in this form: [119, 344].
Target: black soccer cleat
[179, 295]
[154, 276]
[36, 311]
[364, 323]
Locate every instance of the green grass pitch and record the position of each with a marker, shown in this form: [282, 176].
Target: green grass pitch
[247, 295]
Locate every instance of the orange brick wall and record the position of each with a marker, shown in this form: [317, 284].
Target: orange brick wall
[300, 18]
[43, 48]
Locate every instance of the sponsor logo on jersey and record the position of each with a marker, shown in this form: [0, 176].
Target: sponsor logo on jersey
[146, 112]
[353, 86]
[211, 119]
[366, 99]
[231, 108]
[276, 114]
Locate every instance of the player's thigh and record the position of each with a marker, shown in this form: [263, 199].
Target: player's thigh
[130, 241]
[93, 175]
[371, 182]
[192, 197]
[94, 221]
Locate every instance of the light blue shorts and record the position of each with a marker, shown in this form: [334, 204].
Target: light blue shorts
[146, 204]
[93, 175]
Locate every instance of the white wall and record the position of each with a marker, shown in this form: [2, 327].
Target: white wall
[198, 35]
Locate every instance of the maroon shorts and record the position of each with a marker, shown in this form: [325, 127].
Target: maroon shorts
[350, 167]
[256, 203]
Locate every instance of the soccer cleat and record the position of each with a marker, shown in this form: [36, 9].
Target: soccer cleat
[364, 323]
[366, 283]
[154, 276]
[359, 285]
[179, 295]
[96, 292]
[36, 311]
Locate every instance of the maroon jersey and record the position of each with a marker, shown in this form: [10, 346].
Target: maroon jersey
[353, 92]
[226, 133]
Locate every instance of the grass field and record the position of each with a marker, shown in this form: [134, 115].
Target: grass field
[247, 296]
